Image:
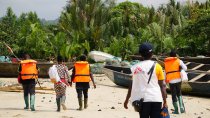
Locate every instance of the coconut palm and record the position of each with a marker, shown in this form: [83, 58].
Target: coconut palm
[88, 19]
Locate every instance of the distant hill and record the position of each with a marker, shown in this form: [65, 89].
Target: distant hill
[49, 22]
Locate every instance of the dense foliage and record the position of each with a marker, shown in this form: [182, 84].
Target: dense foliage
[86, 25]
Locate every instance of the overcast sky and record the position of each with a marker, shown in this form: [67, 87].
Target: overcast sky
[51, 9]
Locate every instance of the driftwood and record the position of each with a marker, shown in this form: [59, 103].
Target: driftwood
[43, 90]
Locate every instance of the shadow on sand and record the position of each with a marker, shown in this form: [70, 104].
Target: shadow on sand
[37, 110]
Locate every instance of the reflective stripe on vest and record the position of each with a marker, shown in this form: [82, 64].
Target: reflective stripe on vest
[28, 69]
[82, 72]
[172, 68]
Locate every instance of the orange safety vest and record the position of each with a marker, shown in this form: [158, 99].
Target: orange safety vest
[172, 68]
[82, 72]
[28, 69]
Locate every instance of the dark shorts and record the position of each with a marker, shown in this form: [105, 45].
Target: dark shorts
[82, 85]
[150, 110]
[82, 89]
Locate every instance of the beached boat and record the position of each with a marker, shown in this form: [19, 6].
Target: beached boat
[198, 84]
[119, 75]
[99, 56]
[11, 69]
[203, 60]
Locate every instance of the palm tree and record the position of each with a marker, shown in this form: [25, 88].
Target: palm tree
[85, 22]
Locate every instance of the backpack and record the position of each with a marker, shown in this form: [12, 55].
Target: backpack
[53, 74]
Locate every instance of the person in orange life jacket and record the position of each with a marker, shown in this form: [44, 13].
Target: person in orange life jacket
[81, 75]
[153, 92]
[60, 87]
[173, 65]
[28, 72]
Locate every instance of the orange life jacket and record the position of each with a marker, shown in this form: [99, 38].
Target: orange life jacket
[172, 68]
[82, 72]
[28, 69]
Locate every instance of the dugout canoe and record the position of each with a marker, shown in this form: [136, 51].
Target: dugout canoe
[11, 69]
[203, 60]
[119, 75]
[198, 84]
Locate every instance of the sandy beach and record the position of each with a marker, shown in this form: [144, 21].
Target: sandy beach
[106, 101]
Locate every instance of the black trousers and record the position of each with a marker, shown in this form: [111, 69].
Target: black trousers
[84, 91]
[150, 110]
[29, 88]
[175, 90]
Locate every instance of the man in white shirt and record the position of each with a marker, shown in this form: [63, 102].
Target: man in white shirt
[153, 92]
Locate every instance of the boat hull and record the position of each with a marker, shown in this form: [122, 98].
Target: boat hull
[204, 60]
[99, 56]
[198, 85]
[118, 78]
[11, 69]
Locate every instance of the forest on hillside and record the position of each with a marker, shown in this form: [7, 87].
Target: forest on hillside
[118, 29]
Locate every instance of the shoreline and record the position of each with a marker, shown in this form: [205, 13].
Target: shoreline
[106, 101]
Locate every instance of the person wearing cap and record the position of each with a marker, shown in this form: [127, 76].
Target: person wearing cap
[81, 75]
[173, 65]
[153, 92]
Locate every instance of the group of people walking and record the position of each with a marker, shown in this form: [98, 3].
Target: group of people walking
[81, 75]
[152, 88]
[149, 82]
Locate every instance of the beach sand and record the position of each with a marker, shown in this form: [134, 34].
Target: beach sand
[106, 101]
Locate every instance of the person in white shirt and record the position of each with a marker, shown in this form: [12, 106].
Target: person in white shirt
[153, 92]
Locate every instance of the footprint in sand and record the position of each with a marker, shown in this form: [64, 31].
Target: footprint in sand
[18, 115]
[66, 117]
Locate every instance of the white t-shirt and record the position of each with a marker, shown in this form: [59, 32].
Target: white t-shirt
[151, 92]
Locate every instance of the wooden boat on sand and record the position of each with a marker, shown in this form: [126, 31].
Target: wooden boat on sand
[203, 60]
[99, 56]
[11, 69]
[119, 75]
[198, 84]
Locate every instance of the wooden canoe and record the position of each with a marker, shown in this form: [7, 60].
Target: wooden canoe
[198, 84]
[120, 76]
[204, 60]
[11, 69]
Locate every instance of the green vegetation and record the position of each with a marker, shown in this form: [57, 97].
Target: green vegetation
[86, 25]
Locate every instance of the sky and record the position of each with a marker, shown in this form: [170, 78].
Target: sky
[51, 9]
